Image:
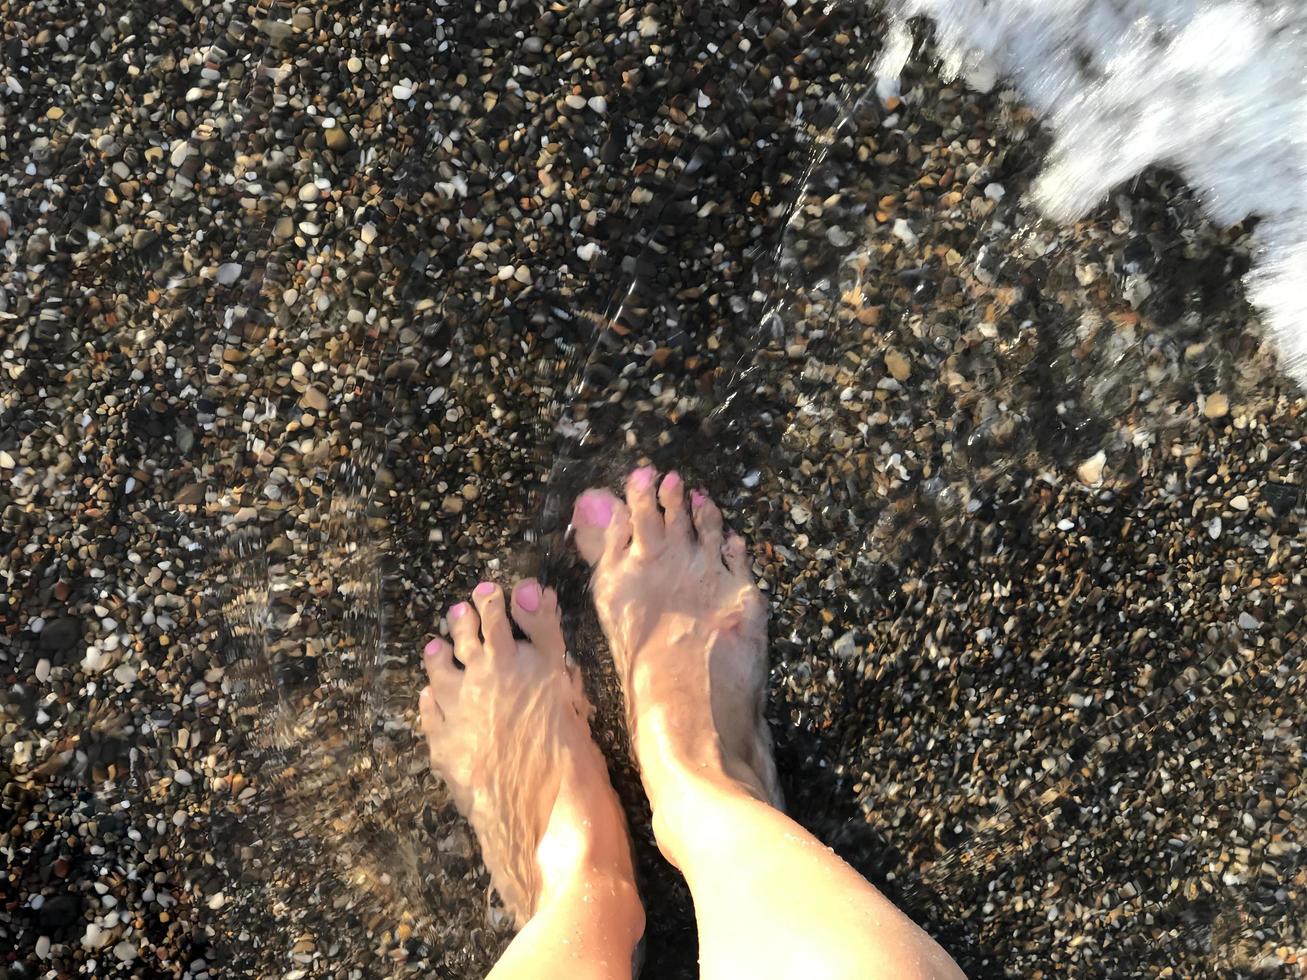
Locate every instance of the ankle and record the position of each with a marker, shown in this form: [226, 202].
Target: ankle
[676, 760]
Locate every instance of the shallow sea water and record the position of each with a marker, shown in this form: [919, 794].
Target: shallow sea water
[320, 653]
[1034, 672]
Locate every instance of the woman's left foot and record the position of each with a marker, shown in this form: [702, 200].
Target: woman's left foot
[507, 725]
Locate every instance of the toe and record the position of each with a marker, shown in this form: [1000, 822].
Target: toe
[671, 494]
[735, 554]
[707, 521]
[496, 632]
[591, 519]
[535, 610]
[438, 658]
[618, 539]
[465, 629]
[430, 715]
[646, 518]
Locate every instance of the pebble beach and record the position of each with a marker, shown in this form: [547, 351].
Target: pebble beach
[311, 314]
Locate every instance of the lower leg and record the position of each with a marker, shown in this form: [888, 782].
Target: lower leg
[771, 900]
[588, 919]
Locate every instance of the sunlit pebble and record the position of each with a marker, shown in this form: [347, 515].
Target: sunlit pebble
[587, 251]
[1090, 472]
[401, 92]
[1239, 503]
[1214, 528]
[505, 273]
[355, 65]
[598, 103]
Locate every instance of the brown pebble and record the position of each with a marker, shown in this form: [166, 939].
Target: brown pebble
[1217, 406]
[315, 398]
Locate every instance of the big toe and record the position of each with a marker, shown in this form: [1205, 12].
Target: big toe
[596, 518]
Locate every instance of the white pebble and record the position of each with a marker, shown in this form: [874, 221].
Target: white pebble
[182, 777]
[1065, 524]
[598, 103]
[575, 101]
[310, 228]
[43, 947]
[6, 460]
[228, 273]
[995, 192]
[505, 273]
[904, 233]
[125, 951]
[217, 901]
[1214, 528]
[309, 193]
[355, 65]
[125, 674]
[1249, 622]
[42, 670]
[587, 251]
[401, 92]
[1239, 503]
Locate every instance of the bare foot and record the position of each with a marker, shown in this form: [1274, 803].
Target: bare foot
[508, 730]
[688, 631]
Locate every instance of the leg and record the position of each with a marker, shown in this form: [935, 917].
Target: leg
[687, 626]
[507, 726]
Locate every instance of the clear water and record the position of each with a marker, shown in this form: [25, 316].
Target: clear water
[316, 609]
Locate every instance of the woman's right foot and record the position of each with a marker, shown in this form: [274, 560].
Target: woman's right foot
[687, 628]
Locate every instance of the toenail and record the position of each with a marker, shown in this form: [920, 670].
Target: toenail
[595, 509]
[672, 481]
[484, 589]
[434, 647]
[528, 596]
[642, 479]
[457, 611]
[698, 497]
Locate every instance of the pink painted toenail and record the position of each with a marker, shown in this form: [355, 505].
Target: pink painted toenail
[698, 498]
[457, 611]
[528, 596]
[642, 479]
[595, 509]
[434, 647]
[484, 589]
[672, 482]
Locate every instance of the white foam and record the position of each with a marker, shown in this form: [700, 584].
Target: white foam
[1214, 89]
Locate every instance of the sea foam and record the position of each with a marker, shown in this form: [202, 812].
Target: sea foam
[1214, 90]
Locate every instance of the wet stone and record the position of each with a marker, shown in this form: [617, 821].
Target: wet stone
[61, 634]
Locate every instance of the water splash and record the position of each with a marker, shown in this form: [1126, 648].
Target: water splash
[842, 308]
[1213, 89]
